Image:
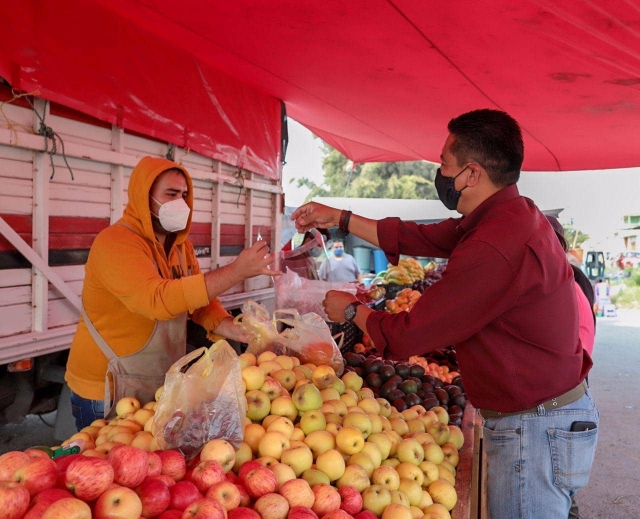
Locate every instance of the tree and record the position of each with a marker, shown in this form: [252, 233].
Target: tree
[407, 180]
[575, 238]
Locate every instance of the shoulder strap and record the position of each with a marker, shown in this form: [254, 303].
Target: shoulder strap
[108, 352]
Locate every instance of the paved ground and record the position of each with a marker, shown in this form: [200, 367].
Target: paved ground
[614, 489]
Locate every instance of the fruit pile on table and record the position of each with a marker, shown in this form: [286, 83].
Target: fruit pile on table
[315, 446]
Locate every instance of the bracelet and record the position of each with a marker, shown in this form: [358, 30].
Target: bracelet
[343, 226]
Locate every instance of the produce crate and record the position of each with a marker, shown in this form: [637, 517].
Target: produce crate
[352, 334]
[392, 290]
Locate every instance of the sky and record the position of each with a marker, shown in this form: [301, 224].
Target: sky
[593, 201]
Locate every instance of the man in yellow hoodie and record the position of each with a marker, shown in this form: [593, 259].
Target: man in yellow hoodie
[142, 278]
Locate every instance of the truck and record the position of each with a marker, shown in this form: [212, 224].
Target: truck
[53, 204]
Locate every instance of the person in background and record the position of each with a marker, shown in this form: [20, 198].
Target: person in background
[340, 266]
[506, 301]
[602, 293]
[584, 293]
[142, 280]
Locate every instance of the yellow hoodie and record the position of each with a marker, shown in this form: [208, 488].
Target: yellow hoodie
[124, 293]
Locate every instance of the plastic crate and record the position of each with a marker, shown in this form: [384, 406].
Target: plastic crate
[392, 290]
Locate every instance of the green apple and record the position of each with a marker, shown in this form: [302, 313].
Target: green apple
[352, 381]
[258, 404]
[311, 421]
[315, 477]
[307, 397]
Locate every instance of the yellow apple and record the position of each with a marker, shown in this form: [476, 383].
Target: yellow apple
[267, 461]
[386, 476]
[456, 436]
[415, 426]
[326, 408]
[399, 497]
[382, 442]
[386, 424]
[158, 393]
[258, 405]
[243, 454]
[142, 440]
[439, 431]
[430, 471]
[397, 511]
[409, 414]
[151, 405]
[323, 377]
[350, 440]
[311, 421]
[127, 405]
[329, 393]
[320, 442]
[355, 409]
[375, 499]
[281, 424]
[362, 459]
[444, 493]
[442, 415]
[132, 425]
[307, 397]
[286, 377]
[412, 489]
[359, 420]
[285, 361]
[428, 418]
[447, 465]
[252, 435]
[400, 426]
[273, 444]
[270, 367]
[385, 407]
[423, 438]
[391, 462]
[436, 511]
[410, 471]
[302, 372]
[410, 451]
[444, 473]
[297, 435]
[333, 428]
[265, 356]
[253, 377]
[354, 476]
[369, 405]
[247, 359]
[333, 418]
[272, 388]
[425, 501]
[331, 463]
[284, 406]
[221, 451]
[451, 453]
[349, 400]
[339, 407]
[299, 459]
[268, 420]
[376, 423]
[352, 381]
[371, 450]
[315, 477]
[433, 453]
[283, 473]
[395, 441]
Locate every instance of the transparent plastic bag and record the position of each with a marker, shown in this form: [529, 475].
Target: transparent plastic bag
[305, 260]
[262, 330]
[306, 295]
[202, 400]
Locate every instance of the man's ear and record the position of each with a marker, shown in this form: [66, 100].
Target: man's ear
[475, 173]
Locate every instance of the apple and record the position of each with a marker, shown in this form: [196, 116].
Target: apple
[117, 502]
[371, 450]
[436, 511]
[258, 405]
[127, 405]
[168, 481]
[320, 442]
[382, 442]
[315, 477]
[272, 506]
[272, 388]
[323, 377]
[280, 424]
[14, 498]
[329, 394]
[225, 493]
[286, 378]
[412, 489]
[425, 501]
[272, 444]
[430, 471]
[444, 493]
[439, 431]
[387, 477]
[298, 492]
[410, 471]
[86, 478]
[246, 468]
[352, 381]
[375, 499]
[38, 453]
[351, 500]
[10, 462]
[311, 421]
[154, 464]
[332, 464]
[362, 459]
[306, 398]
[451, 454]
[400, 498]
[359, 420]
[354, 476]
[174, 464]
[337, 514]
[243, 513]
[456, 436]
[142, 440]
[252, 434]
[204, 508]
[433, 453]
[444, 473]
[206, 474]
[350, 440]
[259, 482]
[410, 451]
[397, 511]
[247, 359]
[298, 458]
[68, 508]
[221, 451]
[327, 499]
[182, 494]
[171, 514]
[253, 377]
[245, 498]
[130, 465]
[154, 496]
[300, 512]
[283, 473]
[37, 475]
[49, 495]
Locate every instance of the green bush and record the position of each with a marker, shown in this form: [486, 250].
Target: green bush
[629, 297]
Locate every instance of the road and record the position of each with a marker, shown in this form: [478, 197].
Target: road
[614, 488]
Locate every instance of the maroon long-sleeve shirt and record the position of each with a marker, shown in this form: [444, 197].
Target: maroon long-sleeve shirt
[506, 301]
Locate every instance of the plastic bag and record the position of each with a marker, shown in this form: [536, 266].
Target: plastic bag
[202, 399]
[261, 329]
[306, 295]
[308, 337]
[305, 260]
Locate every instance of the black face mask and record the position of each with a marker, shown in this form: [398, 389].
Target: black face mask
[447, 193]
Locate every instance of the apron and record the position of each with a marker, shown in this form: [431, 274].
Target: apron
[140, 374]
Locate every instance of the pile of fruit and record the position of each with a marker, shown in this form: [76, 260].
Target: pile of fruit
[405, 385]
[403, 302]
[405, 272]
[315, 446]
[431, 276]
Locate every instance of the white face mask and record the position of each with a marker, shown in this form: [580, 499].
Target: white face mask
[173, 215]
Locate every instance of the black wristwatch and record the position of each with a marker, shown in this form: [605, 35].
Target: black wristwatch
[351, 310]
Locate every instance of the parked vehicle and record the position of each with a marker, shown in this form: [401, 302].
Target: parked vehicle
[629, 259]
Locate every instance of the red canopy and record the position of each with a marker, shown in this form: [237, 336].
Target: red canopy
[377, 79]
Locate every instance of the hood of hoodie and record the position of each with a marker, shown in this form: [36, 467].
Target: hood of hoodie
[137, 214]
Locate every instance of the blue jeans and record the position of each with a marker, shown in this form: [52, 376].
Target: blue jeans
[535, 463]
[86, 411]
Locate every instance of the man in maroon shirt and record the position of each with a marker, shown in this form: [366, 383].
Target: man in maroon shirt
[506, 301]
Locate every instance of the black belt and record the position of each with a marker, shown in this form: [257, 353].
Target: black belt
[555, 403]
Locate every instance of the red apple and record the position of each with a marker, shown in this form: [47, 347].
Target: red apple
[173, 464]
[246, 468]
[183, 493]
[327, 499]
[165, 479]
[14, 499]
[50, 495]
[10, 462]
[245, 498]
[61, 464]
[225, 493]
[68, 508]
[130, 465]
[36, 453]
[118, 502]
[337, 514]
[155, 464]
[86, 478]
[297, 492]
[206, 474]
[259, 482]
[155, 497]
[37, 475]
[300, 512]
[204, 509]
[243, 512]
[171, 514]
[272, 506]
[366, 514]
[351, 500]
[232, 477]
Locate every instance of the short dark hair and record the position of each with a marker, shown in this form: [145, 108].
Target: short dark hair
[492, 139]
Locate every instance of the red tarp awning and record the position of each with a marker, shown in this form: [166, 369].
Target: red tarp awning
[377, 79]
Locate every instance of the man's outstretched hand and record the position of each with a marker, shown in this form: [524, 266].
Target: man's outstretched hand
[315, 216]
